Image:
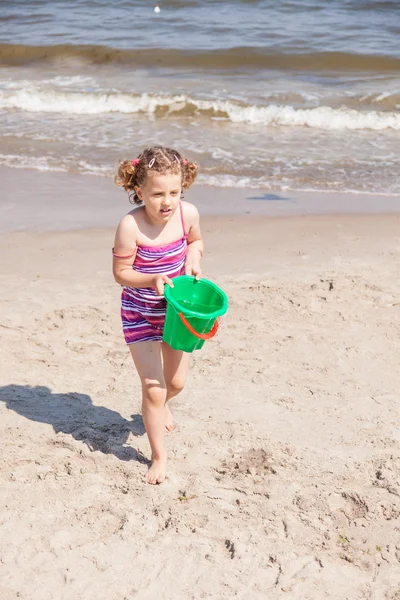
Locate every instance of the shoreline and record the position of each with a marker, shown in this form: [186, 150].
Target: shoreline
[63, 201]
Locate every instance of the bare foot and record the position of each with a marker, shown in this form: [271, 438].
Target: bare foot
[169, 419]
[157, 470]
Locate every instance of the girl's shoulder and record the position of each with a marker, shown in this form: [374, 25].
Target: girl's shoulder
[128, 227]
[190, 213]
[131, 221]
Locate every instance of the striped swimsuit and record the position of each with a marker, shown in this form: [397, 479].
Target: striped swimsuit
[142, 310]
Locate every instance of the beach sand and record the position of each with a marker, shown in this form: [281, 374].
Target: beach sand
[284, 467]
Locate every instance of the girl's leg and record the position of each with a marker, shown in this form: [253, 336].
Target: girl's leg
[147, 359]
[176, 364]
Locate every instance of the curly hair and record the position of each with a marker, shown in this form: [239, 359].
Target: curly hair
[157, 159]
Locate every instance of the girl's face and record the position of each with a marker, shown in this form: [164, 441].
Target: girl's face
[161, 195]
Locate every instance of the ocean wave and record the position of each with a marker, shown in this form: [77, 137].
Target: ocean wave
[165, 106]
[231, 59]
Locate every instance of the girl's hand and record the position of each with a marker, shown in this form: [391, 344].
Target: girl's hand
[193, 269]
[160, 281]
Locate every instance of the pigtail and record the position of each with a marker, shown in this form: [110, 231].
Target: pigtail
[127, 177]
[189, 174]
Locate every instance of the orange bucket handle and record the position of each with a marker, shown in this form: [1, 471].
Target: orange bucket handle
[201, 336]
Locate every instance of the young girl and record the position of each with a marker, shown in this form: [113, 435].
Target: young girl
[154, 243]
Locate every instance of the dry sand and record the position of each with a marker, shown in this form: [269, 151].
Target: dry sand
[284, 470]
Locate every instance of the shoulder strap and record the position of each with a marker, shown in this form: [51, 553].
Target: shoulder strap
[182, 220]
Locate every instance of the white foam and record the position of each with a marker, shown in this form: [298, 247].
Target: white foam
[76, 81]
[228, 181]
[33, 99]
[84, 103]
[42, 163]
[260, 183]
[39, 163]
[322, 117]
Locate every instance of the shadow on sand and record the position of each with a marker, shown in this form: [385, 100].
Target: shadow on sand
[74, 414]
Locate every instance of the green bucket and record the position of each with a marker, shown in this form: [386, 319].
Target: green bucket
[193, 308]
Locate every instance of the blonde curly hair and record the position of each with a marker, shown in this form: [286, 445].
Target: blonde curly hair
[157, 159]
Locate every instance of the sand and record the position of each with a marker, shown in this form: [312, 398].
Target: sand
[284, 468]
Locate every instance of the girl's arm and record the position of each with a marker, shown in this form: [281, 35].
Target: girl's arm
[195, 242]
[124, 253]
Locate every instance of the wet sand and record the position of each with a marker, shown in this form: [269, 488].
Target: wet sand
[48, 201]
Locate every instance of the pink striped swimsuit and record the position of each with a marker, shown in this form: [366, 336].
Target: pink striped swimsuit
[142, 310]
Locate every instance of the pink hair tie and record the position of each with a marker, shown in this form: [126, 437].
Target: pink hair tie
[119, 255]
[184, 161]
[136, 161]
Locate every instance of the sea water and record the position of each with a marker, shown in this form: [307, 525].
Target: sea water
[291, 95]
